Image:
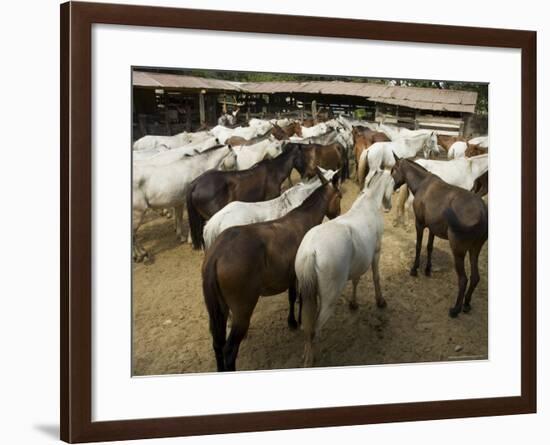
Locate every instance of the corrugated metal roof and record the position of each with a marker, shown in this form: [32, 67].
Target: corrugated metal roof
[413, 97]
[163, 80]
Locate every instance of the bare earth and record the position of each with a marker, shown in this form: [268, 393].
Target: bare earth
[170, 322]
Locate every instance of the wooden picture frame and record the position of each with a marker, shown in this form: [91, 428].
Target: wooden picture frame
[76, 221]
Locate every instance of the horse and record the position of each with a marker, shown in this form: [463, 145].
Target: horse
[238, 213]
[338, 251]
[246, 262]
[450, 213]
[239, 140]
[329, 157]
[249, 155]
[363, 138]
[175, 154]
[446, 141]
[213, 190]
[474, 150]
[482, 141]
[458, 172]
[457, 150]
[395, 132]
[165, 186]
[378, 157]
[481, 185]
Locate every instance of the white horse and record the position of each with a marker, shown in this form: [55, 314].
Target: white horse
[168, 156]
[340, 250]
[309, 132]
[165, 186]
[458, 172]
[350, 123]
[394, 132]
[482, 141]
[457, 150]
[224, 133]
[249, 155]
[147, 153]
[238, 213]
[178, 140]
[380, 154]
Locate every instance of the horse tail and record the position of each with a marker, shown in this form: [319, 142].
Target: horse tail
[477, 230]
[306, 287]
[215, 305]
[196, 221]
[362, 168]
[345, 163]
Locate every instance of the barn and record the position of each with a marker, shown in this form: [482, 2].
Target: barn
[168, 103]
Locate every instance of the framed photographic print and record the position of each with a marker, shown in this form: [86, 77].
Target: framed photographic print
[276, 222]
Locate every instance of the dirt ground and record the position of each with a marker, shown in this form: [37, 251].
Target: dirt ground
[170, 322]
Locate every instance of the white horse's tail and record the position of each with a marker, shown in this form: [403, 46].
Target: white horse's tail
[363, 168]
[306, 287]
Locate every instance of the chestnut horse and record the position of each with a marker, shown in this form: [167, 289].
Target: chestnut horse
[445, 141]
[284, 133]
[363, 138]
[450, 213]
[246, 262]
[238, 140]
[214, 189]
[474, 150]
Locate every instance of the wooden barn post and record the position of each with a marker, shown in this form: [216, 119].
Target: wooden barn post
[201, 108]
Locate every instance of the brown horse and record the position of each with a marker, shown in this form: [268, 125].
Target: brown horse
[246, 262]
[283, 134]
[332, 156]
[474, 150]
[238, 140]
[481, 185]
[450, 213]
[363, 138]
[445, 141]
[214, 189]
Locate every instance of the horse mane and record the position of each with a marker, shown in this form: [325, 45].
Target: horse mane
[312, 201]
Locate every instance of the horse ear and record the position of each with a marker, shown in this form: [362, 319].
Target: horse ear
[335, 179]
[396, 157]
[321, 176]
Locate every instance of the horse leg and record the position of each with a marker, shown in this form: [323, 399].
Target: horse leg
[402, 196]
[353, 300]
[292, 323]
[139, 252]
[218, 338]
[178, 213]
[462, 282]
[431, 237]
[239, 327]
[419, 235]
[474, 277]
[309, 321]
[380, 302]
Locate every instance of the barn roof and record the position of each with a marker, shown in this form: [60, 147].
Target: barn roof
[412, 97]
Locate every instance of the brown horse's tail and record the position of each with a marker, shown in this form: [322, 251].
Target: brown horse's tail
[477, 230]
[196, 221]
[216, 307]
[345, 163]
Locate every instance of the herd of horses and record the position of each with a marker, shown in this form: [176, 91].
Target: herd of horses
[263, 235]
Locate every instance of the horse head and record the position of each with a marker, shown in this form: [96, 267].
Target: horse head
[397, 173]
[430, 145]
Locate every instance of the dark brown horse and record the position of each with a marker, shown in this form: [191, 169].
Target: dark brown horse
[238, 140]
[332, 156]
[363, 138]
[214, 189]
[481, 185]
[246, 262]
[448, 212]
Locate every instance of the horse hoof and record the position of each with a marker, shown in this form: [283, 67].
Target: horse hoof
[428, 272]
[467, 308]
[353, 305]
[292, 324]
[381, 304]
[414, 273]
[453, 312]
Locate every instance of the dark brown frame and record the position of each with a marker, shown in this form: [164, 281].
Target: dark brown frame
[76, 221]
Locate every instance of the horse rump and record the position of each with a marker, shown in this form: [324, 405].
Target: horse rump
[476, 230]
